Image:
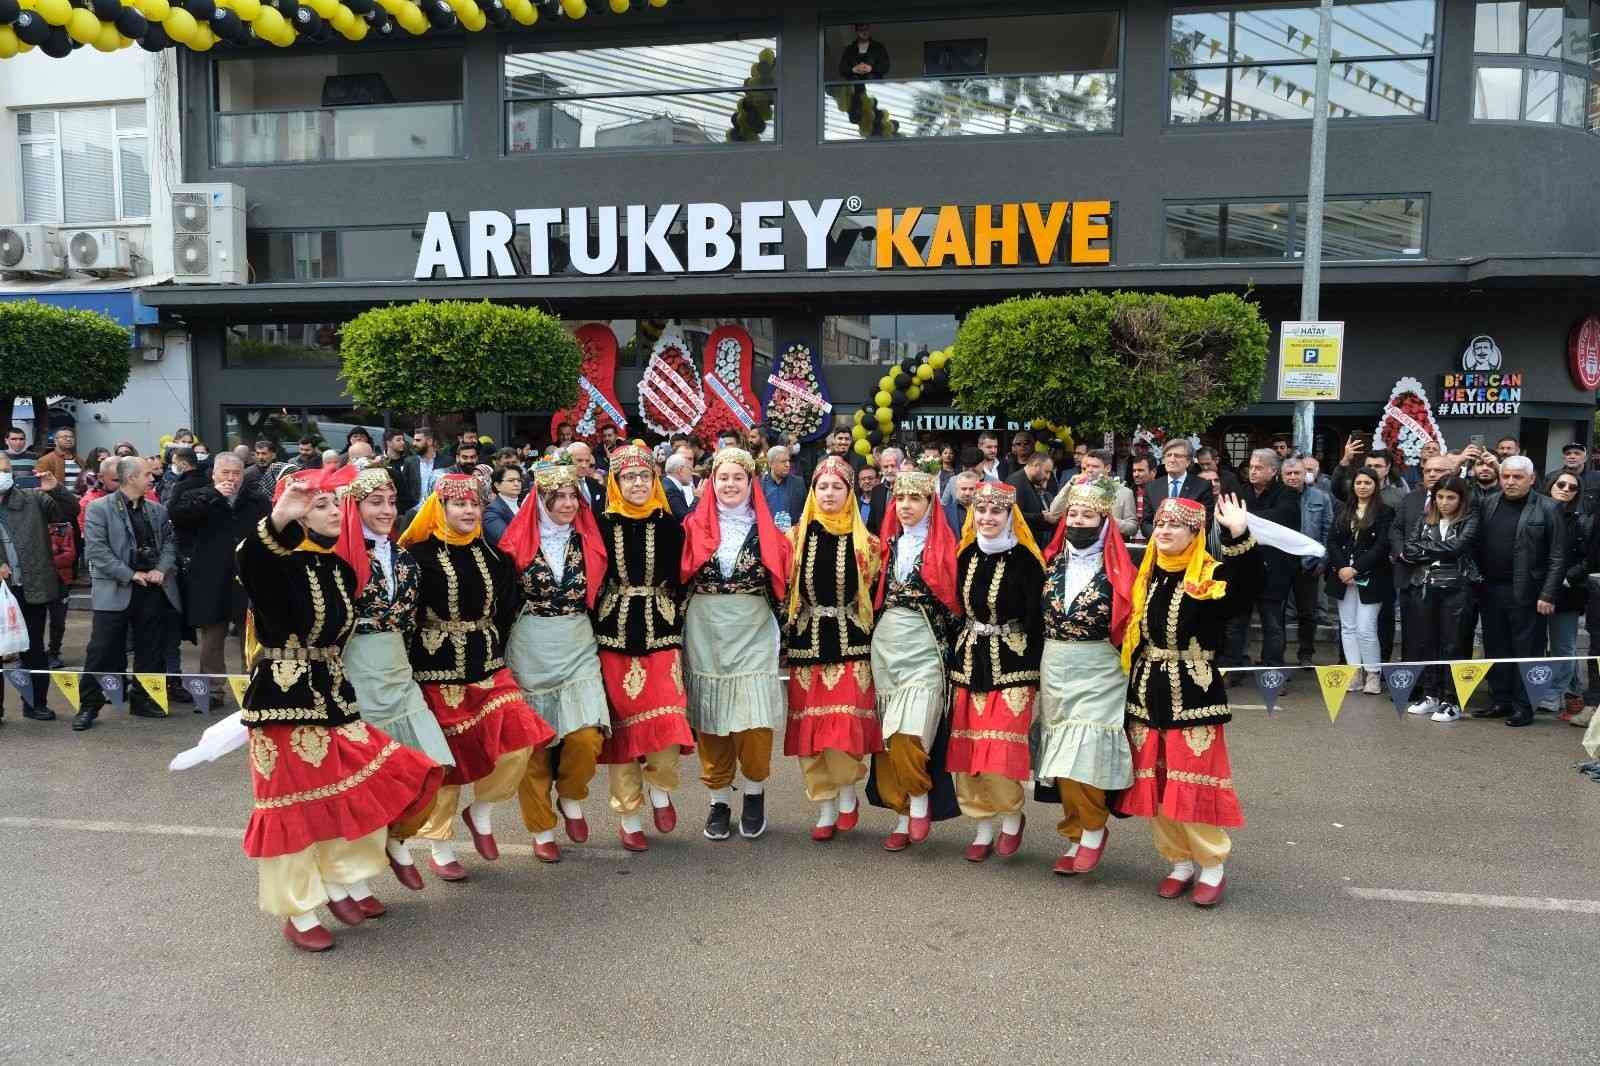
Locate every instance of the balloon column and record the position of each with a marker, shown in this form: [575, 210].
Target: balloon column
[754, 109]
[57, 27]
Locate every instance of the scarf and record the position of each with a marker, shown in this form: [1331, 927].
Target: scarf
[1019, 533]
[908, 548]
[1196, 565]
[615, 504]
[382, 549]
[734, 525]
[936, 556]
[846, 521]
[525, 537]
[703, 539]
[553, 540]
[1083, 564]
[430, 522]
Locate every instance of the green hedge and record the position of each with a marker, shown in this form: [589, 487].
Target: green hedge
[50, 351]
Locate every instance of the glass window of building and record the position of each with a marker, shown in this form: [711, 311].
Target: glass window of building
[285, 426]
[382, 253]
[1258, 64]
[1534, 62]
[994, 76]
[84, 165]
[646, 96]
[878, 340]
[341, 106]
[281, 345]
[1353, 228]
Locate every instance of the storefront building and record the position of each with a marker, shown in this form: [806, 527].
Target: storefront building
[723, 162]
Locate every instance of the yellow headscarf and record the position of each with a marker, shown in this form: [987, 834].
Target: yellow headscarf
[1019, 526]
[430, 522]
[847, 520]
[1197, 566]
[616, 504]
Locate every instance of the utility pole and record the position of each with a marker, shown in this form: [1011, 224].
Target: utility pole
[1316, 189]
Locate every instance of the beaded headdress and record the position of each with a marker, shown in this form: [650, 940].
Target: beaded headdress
[631, 457]
[553, 475]
[836, 466]
[1097, 495]
[366, 483]
[915, 483]
[994, 492]
[1191, 513]
[456, 487]
[738, 456]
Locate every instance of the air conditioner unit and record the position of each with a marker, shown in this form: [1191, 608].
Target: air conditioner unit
[30, 249]
[99, 251]
[208, 234]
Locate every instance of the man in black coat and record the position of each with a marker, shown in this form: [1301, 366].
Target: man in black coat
[1266, 496]
[209, 521]
[1175, 475]
[1032, 482]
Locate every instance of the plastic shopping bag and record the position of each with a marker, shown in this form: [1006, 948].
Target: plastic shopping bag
[13, 630]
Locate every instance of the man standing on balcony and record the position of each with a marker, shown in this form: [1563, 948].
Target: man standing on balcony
[864, 59]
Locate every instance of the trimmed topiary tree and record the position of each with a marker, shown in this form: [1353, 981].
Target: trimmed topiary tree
[50, 351]
[1111, 361]
[450, 356]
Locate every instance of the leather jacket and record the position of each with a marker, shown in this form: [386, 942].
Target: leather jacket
[1431, 555]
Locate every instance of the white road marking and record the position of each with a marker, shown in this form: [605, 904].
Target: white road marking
[152, 829]
[1474, 899]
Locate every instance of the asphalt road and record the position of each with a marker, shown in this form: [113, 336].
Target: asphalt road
[130, 933]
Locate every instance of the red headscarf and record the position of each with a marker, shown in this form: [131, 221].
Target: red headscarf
[521, 542]
[352, 543]
[1119, 570]
[702, 533]
[938, 557]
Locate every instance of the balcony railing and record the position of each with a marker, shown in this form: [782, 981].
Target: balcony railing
[328, 135]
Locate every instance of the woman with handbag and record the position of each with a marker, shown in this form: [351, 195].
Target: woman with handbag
[1360, 576]
[1436, 607]
[1566, 693]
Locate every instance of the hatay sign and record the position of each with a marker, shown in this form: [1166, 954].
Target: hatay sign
[708, 238]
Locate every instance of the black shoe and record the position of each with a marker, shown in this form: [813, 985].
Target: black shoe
[1492, 712]
[717, 822]
[38, 714]
[179, 695]
[83, 720]
[753, 819]
[142, 710]
[1520, 718]
[56, 661]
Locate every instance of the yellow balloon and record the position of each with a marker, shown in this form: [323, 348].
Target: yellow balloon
[658, 3]
[938, 359]
[882, 399]
[325, 8]
[83, 26]
[473, 18]
[342, 19]
[858, 431]
[9, 45]
[412, 20]
[925, 372]
[619, 7]
[358, 32]
[393, 7]
[55, 12]
[248, 10]
[203, 39]
[524, 13]
[108, 39]
[154, 10]
[575, 9]
[861, 446]
[180, 25]
[286, 38]
[269, 24]
[914, 392]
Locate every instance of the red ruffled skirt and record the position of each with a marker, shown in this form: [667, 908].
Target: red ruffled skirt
[315, 783]
[484, 721]
[832, 706]
[1182, 774]
[989, 732]
[648, 709]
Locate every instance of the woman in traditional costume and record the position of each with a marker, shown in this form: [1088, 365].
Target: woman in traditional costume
[640, 630]
[833, 720]
[994, 667]
[375, 658]
[1177, 703]
[327, 786]
[735, 566]
[466, 600]
[918, 607]
[560, 562]
[1083, 692]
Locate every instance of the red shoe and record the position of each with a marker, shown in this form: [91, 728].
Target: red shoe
[547, 852]
[848, 820]
[314, 939]
[577, 829]
[897, 841]
[372, 907]
[1008, 844]
[347, 911]
[1088, 858]
[666, 817]
[633, 841]
[1063, 865]
[406, 875]
[448, 871]
[1173, 887]
[978, 852]
[920, 828]
[1209, 895]
[484, 842]
[822, 833]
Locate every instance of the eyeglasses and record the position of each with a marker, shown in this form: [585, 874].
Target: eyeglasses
[635, 476]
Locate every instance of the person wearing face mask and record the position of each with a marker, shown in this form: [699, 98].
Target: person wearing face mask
[375, 657]
[27, 567]
[639, 626]
[917, 610]
[735, 566]
[327, 784]
[1177, 703]
[560, 561]
[466, 601]
[994, 667]
[1083, 754]
[832, 724]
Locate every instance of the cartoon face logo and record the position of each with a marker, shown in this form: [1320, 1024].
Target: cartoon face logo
[197, 687]
[1482, 353]
[1401, 680]
[1540, 675]
[111, 685]
[1272, 679]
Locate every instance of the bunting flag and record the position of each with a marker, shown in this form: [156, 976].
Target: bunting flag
[1333, 680]
[1271, 682]
[67, 681]
[22, 681]
[1466, 676]
[1401, 679]
[1539, 679]
[200, 689]
[155, 685]
[111, 687]
[238, 684]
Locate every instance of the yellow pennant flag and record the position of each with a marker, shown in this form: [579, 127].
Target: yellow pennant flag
[67, 682]
[156, 686]
[1333, 680]
[1466, 676]
[238, 684]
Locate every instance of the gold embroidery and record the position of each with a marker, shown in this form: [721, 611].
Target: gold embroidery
[286, 673]
[669, 609]
[1017, 642]
[452, 695]
[1018, 699]
[1199, 738]
[319, 608]
[1199, 779]
[1231, 550]
[310, 742]
[677, 673]
[263, 753]
[633, 680]
[269, 541]
[486, 684]
[488, 579]
[862, 668]
[1210, 710]
[1174, 672]
[488, 708]
[988, 734]
[334, 789]
[1140, 775]
[1138, 733]
[355, 732]
[452, 592]
[802, 676]
[432, 640]
[645, 716]
[1199, 668]
[843, 708]
[831, 675]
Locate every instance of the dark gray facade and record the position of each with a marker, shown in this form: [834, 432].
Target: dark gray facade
[1511, 246]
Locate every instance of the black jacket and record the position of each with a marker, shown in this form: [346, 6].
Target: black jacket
[1367, 550]
[1421, 546]
[1539, 556]
[1194, 487]
[876, 56]
[1032, 505]
[207, 530]
[1281, 504]
[878, 503]
[1580, 523]
[1407, 517]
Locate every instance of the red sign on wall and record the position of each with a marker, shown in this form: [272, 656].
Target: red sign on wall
[1583, 353]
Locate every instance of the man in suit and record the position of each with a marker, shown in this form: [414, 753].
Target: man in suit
[1175, 480]
[403, 470]
[1032, 482]
[426, 462]
[1022, 448]
[1092, 466]
[679, 484]
[881, 497]
[592, 488]
[963, 486]
[867, 486]
[133, 560]
[1266, 496]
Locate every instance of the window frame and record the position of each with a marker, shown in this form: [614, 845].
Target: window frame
[641, 35]
[1294, 202]
[1529, 64]
[829, 18]
[1433, 60]
[118, 137]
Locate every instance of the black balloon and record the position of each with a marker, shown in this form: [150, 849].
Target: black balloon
[200, 9]
[440, 15]
[9, 10]
[306, 21]
[897, 398]
[908, 364]
[382, 24]
[874, 437]
[30, 28]
[359, 7]
[106, 10]
[56, 44]
[225, 23]
[131, 24]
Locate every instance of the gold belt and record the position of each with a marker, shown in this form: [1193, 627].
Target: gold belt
[303, 655]
[826, 612]
[477, 626]
[1171, 655]
[986, 629]
[638, 590]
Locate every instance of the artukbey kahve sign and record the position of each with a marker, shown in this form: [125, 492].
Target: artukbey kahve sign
[706, 238]
[1482, 388]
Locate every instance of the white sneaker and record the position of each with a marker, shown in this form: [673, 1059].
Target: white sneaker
[1447, 712]
[1424, 706]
